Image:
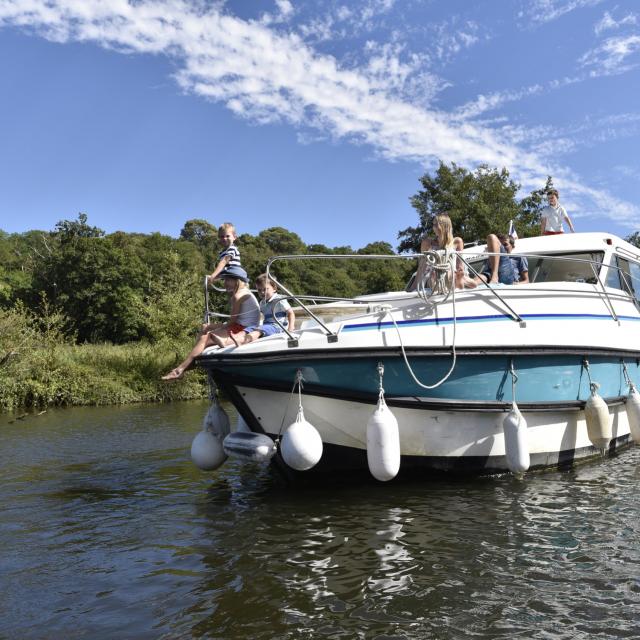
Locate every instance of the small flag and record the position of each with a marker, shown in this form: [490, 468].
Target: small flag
[512, 230]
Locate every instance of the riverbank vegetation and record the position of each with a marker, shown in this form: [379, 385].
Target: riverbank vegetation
[93, 318]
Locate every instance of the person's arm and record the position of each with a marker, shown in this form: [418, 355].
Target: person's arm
[568, 219]
[291, 319]
[523, 270]
[219, 268]
[543, 225]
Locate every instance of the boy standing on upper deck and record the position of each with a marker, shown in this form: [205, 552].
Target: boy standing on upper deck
[229, 256]
[553, 215]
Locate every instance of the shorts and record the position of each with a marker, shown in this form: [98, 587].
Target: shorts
[552, 233]
[268, 329]
[235, 328]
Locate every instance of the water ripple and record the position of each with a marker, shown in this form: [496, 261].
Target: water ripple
[108, 531]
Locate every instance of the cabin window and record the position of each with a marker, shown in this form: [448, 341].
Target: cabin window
[568, 267]
[625, 277]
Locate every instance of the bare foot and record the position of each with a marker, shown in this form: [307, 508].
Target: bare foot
[175, 374]
[217, 340]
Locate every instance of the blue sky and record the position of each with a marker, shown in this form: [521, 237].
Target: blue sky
[319, 116]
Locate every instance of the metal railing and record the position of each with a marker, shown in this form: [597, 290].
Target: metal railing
[305, 301]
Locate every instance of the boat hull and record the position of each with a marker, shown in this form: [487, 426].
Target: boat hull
[450, 430]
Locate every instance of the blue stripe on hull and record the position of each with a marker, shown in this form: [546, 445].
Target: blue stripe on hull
[479, 378]
[368, 326]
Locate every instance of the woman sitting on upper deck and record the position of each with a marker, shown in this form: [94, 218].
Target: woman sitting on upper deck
[444, 240]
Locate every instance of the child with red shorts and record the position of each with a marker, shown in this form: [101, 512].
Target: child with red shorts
[245, 312]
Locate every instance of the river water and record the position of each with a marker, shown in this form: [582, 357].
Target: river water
[108, 531]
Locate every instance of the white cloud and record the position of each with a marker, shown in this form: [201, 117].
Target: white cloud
[450, 38]
[608, 22]
[266, 76]
[284, 12]
[285, 7]
[389, 68]
[615, 55]
[492, 101]
[373, 8]
[542, 11]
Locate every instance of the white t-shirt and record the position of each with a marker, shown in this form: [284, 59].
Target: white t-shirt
[554, 217]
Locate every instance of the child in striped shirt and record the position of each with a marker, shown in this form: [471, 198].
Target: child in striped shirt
[229, 256]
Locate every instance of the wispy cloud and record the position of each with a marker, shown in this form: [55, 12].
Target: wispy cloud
[491, 101]
[607, 22]
[390, 68]
[615, 55]
[556, 143]
[450, 38]
[542, 11]
[373, 8]
[266, 75]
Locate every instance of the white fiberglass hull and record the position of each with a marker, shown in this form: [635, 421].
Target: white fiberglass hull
[434, 440]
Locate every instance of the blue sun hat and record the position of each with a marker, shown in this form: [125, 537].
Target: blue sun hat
[234, 271]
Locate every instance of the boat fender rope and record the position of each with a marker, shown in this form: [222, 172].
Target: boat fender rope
[514, 380]
[514, 427]
[297, 383]
[628, 381]
[585, 364]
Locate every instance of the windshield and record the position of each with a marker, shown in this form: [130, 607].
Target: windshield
[568, 267]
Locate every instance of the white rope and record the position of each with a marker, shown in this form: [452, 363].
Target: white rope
[453, 342]
[298, 383]
[514, 380]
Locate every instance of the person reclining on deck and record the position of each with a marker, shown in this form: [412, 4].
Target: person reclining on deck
[520, 263]
[245, 311]
[272, 306]
[497, 268]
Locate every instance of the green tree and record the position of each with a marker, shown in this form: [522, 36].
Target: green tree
[200, 232]
[634, 239]
[97, 284]
[71, 230]
[204, 236]
[479, 203]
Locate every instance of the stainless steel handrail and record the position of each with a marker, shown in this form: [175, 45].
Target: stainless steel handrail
[465, 257]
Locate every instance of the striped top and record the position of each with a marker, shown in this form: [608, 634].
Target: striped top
[234, 256]
[281, 306]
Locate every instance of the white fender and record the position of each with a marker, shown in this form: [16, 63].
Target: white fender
[206, 451]
[301, 445]
[596, 413]
[249, 447]
[217, 421]
[383, 443]
[516, 441]
[633, 413]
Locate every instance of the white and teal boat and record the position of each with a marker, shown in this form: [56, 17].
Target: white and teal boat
[482, 380]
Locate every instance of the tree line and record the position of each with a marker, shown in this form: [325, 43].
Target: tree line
[76, 285]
